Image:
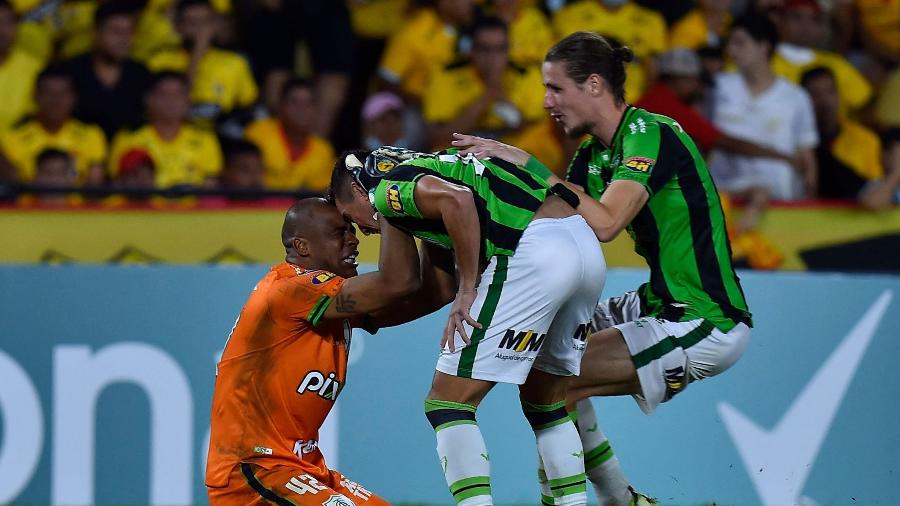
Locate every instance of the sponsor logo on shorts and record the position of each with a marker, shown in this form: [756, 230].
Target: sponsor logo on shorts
[318, 279]
[639, 164]
[338, 500]
[304, 446]
[355, 488]
[579, 340]
[393, 198]
[522, 341]
[675, 382]
[304, 484]
[326, 386]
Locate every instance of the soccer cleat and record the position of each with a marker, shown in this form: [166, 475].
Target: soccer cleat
[639, 499]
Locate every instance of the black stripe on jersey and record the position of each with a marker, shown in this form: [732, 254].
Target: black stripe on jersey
[676, 153]
[647, 233]
[578, 169]
[518, 173]
[261, 489]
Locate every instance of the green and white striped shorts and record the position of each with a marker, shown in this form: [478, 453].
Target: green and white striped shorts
[535, 307]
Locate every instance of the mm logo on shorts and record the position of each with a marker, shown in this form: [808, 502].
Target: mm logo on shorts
[675, 382]
[326, 386]
[522, 341]
[581, 335]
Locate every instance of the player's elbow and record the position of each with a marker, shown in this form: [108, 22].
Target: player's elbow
[607, 233]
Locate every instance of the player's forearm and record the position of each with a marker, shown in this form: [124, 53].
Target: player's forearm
[461, 221]
[398, 260]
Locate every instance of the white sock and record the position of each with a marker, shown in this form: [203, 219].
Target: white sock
[601, 464]
[559, 447]
[462, 452]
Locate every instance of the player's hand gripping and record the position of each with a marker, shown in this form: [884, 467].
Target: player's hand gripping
[484, 148]
[459, 314]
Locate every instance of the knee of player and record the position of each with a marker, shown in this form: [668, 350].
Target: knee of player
[545, 416]
[445, 414]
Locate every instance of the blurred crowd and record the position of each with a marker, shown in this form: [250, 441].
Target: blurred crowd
[789, 99]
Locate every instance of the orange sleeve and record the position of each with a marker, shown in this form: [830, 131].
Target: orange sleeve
[304, 297]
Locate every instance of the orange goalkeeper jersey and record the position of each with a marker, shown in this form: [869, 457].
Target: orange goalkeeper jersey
[281, 371]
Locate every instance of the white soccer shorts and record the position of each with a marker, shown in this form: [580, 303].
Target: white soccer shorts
[535, 307]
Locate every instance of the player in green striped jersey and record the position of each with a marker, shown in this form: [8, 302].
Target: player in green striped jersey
[641, 173]
[505, 229]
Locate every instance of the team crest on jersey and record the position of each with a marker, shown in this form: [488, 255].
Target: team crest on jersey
[639, 164]
[384, 166]
[338, 500]
[393, 198]
[318, 279]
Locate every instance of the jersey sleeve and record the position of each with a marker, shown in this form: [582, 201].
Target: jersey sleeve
[395, 199]
[305, 297]
[640, 151]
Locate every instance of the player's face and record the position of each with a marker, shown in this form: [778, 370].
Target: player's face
[359, 210]
[566, 101]
[335, 249]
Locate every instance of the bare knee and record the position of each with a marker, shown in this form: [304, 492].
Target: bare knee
[543, 388]
[445, 387]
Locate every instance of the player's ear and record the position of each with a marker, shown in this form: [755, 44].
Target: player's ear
[358, 190]
[595, 84]
[301, 246]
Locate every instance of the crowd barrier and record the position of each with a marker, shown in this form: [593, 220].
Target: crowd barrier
[107, 375]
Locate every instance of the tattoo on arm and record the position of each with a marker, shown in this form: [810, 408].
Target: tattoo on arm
[345, 303]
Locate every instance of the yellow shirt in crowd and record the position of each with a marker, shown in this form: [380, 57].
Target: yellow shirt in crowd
[190, 158]
[457, 87]
[641, 29]
[24, 143]
[310, 168]
[17, 76]
[530, 36]
[424, 44]
[377, 19]
[854, 90]
[859, 148]
[223, 79]
[880, 21]
[692, 32]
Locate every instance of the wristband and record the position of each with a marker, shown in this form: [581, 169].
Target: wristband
[562, 191]
[537, 168]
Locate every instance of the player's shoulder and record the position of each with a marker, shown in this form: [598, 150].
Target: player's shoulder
[293, 282]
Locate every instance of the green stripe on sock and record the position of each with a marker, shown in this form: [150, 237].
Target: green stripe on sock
[543, 407]
[433, 404]
[470, 487]
[546, 500]
[579, 488]
[598, 455]
[569, 485]
[454, 424]
[552, 424]
[670, 343]
[467, 358]
[568, 480]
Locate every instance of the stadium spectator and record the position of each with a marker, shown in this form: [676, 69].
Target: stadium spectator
[801, 25]
[887, 107]
[382, 116]
[705, 25]
[18, 70]
[426, 42]
[530, 33]
[182, 154]
[755, 105]
[641, 29]
[483, 93]
[675, 94]
[110, 85]
[294, 156]
[221, 81]
[54, 168]
[243, 170]
[849, 154]
[54, 127]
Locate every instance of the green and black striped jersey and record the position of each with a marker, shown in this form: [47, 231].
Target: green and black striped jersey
[680, 232]
[506, 196]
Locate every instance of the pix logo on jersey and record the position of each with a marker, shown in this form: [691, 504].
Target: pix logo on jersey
[318, 279]
[639, 164]
[393, 198]
[326, 386]
[522, 341]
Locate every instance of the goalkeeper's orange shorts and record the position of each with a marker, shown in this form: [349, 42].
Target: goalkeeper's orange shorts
[252, 485]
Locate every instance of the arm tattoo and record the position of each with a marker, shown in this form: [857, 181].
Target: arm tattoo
[345, 303]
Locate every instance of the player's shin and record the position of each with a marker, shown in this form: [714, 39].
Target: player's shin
[461, 451]
[600, 463]
[562, 474]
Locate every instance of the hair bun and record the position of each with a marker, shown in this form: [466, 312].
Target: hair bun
[623, 54]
